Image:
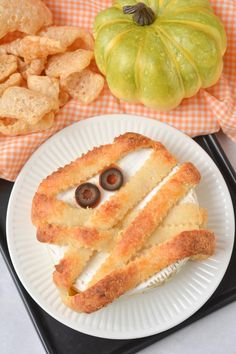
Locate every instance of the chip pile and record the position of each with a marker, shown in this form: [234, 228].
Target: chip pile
[41, 67]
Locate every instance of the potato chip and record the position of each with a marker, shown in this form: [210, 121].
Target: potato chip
[62, 65]
[32, 47]
[27, 16]
[24, 104]
[11, 47]
[14, 80]
[8, 65]
[35, 47]
[8, 121]
[93, 67]
[72, 37]
[35, 67]
[45, 85]
[11, 36]
[10, 126]
[21, 66]
[64, 97]
[85, 86]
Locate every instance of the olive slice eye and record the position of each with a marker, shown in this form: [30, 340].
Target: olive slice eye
[87, 195]
[111, 179]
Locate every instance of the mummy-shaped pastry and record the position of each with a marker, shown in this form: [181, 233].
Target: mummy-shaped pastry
[140, 242]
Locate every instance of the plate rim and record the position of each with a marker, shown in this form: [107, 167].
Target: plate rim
[133, 333]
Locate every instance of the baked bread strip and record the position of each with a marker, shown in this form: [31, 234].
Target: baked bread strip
[77, 236]
[49, 210]
[70, 267]
[94, 161]
[149, 218]
[180, 213]
[181, 218]
[186, 244]
[154, 169]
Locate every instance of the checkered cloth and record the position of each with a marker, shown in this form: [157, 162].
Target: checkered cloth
[205, 113]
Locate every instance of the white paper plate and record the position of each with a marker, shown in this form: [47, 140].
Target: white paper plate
[138, 315]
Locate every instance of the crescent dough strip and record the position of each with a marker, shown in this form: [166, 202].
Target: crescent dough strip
[180, 214]
[52, 211]
[70, 267]
[186, 244]
[178, 220]
[94, 161]
[145, 179]
[183, 213]
[149, 218]
[77, 236]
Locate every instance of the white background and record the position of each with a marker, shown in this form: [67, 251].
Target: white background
[214, 334]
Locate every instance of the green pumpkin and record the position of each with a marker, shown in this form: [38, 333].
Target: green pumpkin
[159, 52]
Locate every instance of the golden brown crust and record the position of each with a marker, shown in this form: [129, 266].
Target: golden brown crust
[70, 267]
[49, 210]
[186, 244]
[91, 163]
[78, 236]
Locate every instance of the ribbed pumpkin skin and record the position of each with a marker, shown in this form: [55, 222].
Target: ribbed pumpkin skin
[160, 64]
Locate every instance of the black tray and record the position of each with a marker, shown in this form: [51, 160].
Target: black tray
[59, 339]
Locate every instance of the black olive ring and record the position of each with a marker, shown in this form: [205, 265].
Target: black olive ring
[87, 195]
[111, 179]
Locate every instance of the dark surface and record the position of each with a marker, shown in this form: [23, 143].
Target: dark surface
[59, 339]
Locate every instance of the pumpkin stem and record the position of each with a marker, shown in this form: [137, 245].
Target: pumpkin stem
[142, 14]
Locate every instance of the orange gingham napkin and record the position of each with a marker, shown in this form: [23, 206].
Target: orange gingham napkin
[205, 113]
